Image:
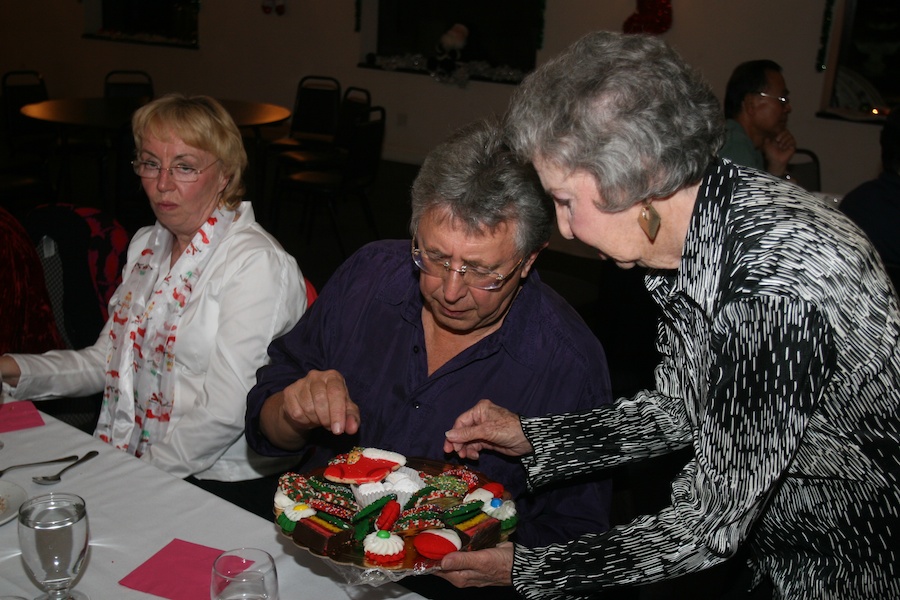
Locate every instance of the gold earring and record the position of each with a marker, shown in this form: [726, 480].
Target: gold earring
[649, 221]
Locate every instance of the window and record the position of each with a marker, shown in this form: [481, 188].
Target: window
[159, 22]
[455, 40]
[863, 64]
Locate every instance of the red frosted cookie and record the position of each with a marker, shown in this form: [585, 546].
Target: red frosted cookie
[435, 543]
[363, 465]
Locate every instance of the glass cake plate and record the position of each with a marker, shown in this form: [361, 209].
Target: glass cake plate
[350, 561]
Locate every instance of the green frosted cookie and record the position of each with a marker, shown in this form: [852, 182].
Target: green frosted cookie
[462, 512]
[374, 508]
[286, 524]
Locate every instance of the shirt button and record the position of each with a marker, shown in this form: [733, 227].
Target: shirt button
[415, 349]
[416, 405]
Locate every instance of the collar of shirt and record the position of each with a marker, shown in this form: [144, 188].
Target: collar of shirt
[520, 325]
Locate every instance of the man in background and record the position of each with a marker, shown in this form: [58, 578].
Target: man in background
[757, 105]
[875, 205]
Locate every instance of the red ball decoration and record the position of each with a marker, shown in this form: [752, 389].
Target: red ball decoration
[652, 16]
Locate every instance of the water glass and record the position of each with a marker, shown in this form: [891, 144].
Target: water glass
[245, 574]
[53, 536]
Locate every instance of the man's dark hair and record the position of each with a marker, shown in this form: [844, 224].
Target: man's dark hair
[747, 78]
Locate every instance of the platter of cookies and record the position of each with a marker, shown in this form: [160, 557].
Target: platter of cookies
[388, 516]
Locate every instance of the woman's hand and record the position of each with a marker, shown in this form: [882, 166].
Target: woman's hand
[487, 426]
[9, 370]
[320, 399]
[478, 569]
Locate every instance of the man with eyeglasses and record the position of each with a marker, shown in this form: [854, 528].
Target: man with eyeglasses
[406, 336]
[757, 106]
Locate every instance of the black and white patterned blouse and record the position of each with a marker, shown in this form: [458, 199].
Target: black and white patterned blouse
[781, 368]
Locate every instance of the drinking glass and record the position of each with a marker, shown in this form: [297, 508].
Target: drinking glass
[53, 535]
[245, 574]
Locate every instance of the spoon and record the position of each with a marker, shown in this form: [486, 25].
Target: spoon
[50, 479]
[43, 462]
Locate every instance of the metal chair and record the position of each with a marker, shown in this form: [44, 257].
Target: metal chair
[804, 168]
[26, 136]
[36, 144]
[352, 179]
[128, 84]
[354, 108]
[314, 120]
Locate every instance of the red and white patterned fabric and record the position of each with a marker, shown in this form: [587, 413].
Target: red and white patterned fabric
[139, 394]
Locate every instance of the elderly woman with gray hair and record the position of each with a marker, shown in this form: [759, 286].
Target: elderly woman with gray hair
[780, 337]
[204, 291]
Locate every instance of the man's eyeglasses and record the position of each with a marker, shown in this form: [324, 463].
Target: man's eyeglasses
[785, 100]
[474, 277]
[147, 169]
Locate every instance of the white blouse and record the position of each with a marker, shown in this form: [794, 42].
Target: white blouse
[251, 292]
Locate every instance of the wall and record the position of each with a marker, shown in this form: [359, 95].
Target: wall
[246, 54]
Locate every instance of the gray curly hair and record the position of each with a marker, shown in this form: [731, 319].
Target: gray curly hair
[625, 108]
[481, 183]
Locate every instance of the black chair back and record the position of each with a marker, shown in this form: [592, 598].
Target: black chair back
[804, 168]
[354, 109]
[128, 84]
[316, 107]
[365, 149]
[21, 88]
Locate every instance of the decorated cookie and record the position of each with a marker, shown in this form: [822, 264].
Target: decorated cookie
[462, 512]
[287, 520]
[435, 543]
[363, 465]
[504, 511]
[383, 548]
[389, 515]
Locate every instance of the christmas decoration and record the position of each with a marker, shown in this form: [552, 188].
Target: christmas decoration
[269, 5]
[652, 16]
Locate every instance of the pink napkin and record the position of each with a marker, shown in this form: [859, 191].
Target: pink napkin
[19, 415]
[180, 571]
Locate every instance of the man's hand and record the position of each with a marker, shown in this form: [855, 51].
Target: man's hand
[487, 426]
[492, 566]
[320, 399]
[778, 151]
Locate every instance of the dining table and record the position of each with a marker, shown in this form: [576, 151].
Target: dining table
[136, 510]
[112, 113]
[111, 116]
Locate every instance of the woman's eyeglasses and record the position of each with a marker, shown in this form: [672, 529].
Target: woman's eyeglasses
[147, 169]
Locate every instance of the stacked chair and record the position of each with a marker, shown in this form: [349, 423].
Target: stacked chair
[130, 201]
[804, 168]
[324, 176]
[353, 109]
[314, 122]
[128, 84]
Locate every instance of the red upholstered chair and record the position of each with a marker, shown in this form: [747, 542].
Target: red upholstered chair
[27, 324]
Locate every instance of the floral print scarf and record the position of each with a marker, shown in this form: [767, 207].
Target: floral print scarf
[140, 380]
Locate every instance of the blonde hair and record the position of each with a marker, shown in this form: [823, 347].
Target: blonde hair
[201, 122]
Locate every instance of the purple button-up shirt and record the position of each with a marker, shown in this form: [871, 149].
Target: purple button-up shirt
[367, 325]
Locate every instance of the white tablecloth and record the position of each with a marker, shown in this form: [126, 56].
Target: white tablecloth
[135, 509]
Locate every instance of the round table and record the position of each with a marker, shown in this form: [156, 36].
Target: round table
[112, 116]
[113, 113]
